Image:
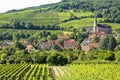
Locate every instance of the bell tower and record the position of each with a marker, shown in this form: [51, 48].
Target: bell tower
[95, 24]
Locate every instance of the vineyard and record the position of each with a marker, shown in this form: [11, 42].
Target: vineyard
[69, 72]
[24, 72]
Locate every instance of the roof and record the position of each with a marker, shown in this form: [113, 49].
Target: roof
[70, 43]
[10, 44]
[50, 44]
[30, 47]
[93, 44]
[87, 45]
[71, 40]
[103, 26]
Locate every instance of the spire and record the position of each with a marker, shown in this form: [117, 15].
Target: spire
[95, 24]
[95, 21]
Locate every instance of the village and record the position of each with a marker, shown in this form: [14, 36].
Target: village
[64, 42]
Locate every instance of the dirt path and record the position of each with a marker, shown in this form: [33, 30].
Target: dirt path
[56, 72]
[61, 73]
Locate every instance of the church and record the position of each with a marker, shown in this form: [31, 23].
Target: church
[102, 28]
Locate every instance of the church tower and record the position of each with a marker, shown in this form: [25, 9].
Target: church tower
[95, 24]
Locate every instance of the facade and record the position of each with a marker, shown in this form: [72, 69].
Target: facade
[6, 44]
[70, 44]
[87, 45]
[103, 28]
[50, 44]
[97, 34]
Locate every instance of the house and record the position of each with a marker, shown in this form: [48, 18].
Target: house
[50, 44]
[6, 44]
[55, 43]
[29, 48]
[70, 44]
[87, 45]
[97, 34]
[101, 27]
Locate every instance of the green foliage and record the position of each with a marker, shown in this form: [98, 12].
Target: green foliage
[52, 37]
[3, 59]
[117, 55]
[24, 71]
[97, 55]
[33, 36]
[68, 72]
[57, 59]
[108, 43]
[90, 72]
[96, 39]
[18, 45]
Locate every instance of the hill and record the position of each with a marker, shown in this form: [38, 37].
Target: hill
[68, 13]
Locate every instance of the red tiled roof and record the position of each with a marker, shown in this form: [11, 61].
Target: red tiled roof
[90, 46]
[70, 43]
[51, 43]
[93, 44]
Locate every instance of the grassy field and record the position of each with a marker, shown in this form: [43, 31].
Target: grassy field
[68, 72]
[53, 17]
[87, 22]
[39, 18]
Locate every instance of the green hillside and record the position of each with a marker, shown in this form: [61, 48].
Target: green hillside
[78, 13]
[39, 18]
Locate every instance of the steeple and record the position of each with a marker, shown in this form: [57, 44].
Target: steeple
[95, 24]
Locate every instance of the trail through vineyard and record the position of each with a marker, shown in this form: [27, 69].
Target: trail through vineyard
[57, 72]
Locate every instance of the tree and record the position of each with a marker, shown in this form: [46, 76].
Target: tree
[103, 44]
[118, 39]
[6, 25]
[16, 24]
[29, 26]
[57, 59]
[52, 37]
[16, 36]
[49, 37]
[112, 43]
[22, 25]
[96, 39]
[18, 45]
[108, 43]
[3, 59]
